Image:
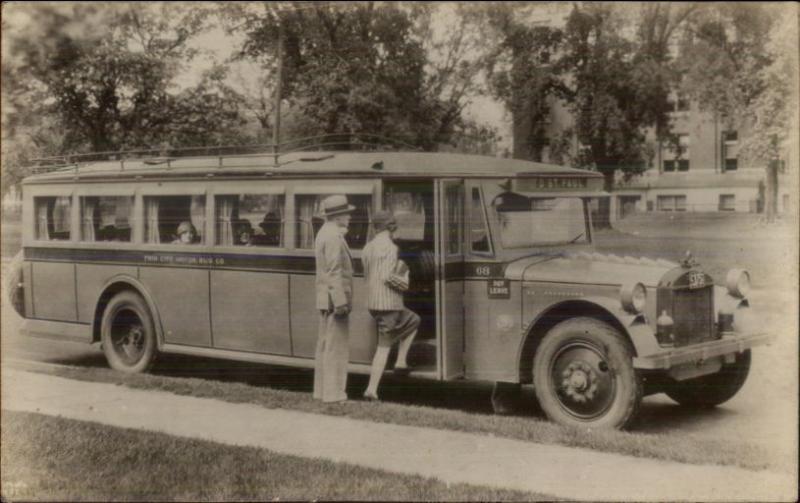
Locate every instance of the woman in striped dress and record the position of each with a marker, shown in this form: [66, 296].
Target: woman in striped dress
[387, 279]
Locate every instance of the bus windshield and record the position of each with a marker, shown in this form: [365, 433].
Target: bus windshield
[531, 221]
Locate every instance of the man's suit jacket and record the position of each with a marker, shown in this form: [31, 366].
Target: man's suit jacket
[334, 268]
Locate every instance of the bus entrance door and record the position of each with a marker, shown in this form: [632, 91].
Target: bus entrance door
[450, 278]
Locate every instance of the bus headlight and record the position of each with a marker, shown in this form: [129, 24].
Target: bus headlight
[633, 297]
[738, 283]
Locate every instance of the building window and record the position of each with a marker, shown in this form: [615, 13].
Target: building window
[53, 215]
[730, 150]
[309, 218]
[676, 157]
[167, 218]
[671, 203]
[727, 202]
[106, 218]
[678, 103]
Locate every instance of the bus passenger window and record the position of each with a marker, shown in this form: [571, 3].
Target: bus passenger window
[165, 216]
[53, 215]
[106, 218]
[310, 218]
[479, 234]
[250, 220]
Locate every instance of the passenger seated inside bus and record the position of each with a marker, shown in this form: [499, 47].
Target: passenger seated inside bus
[113, 233]
[271, 226]
[243, 232]
[186, 234]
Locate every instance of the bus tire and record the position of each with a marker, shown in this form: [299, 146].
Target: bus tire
[128, 334]
[583, 375]
[713, 389]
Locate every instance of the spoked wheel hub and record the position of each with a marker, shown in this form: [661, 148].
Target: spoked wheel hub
[128, 336]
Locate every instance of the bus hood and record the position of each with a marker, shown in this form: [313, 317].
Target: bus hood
[589, 268]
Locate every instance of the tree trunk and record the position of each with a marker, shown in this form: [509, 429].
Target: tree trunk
[772, 191]
[602, 218]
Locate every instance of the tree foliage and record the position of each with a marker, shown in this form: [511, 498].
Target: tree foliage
[740, 64]
[106, 77]
[774, 111]
[603, 95]
[524, 73]
[363, 67]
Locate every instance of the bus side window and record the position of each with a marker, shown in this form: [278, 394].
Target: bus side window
[164, 214]
[250, 220]
[53, 218]
[479, 233]
[309, 219]
[106, 218]
[453, 206]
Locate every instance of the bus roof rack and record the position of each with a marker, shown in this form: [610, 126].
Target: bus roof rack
[164, 154]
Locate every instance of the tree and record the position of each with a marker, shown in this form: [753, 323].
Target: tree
[740, 64]
[524, 74]
[106, 76]
[365, 68]
[609, 120]
[620, 75]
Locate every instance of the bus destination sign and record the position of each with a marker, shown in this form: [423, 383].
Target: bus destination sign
[552, 183]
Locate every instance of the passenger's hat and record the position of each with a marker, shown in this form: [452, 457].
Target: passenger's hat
[243, 225]
[383, 220]
[336, 205]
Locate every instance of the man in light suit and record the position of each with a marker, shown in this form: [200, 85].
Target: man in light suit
[334, 300]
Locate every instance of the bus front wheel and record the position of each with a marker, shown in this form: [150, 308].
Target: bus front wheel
[713, 389]
[128, 333]
[583, 375]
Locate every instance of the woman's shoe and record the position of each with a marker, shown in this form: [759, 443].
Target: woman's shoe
[401, 371]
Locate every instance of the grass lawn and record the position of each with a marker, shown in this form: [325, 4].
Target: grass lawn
[719, 241]
[522, 427]
[52, 458]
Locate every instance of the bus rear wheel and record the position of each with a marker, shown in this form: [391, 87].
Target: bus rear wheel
[128, 333]
[583, 375]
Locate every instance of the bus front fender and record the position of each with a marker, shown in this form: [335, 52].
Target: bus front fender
[633, 327]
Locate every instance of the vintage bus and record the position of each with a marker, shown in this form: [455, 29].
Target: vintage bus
[503, 274]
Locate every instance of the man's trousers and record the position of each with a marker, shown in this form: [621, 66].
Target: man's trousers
[330, 361]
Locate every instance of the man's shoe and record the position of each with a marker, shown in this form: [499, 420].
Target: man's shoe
[371, 398]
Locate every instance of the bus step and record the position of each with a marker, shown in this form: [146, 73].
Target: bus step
[423, 354]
